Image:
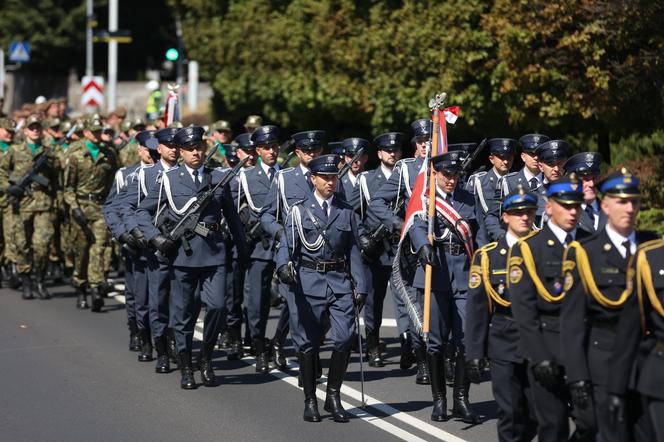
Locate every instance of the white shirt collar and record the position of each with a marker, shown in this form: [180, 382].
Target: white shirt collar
[510, 239]
[266, 168]
[387, 172]
[529, 176]
[321, 200]
[496, 173]
[560, 233]
[304, 169]
[595, 207]
[617, 239]
[165, 165]
[191, 172]
[443, 193]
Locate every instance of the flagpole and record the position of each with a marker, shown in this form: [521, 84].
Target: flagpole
[434, 105]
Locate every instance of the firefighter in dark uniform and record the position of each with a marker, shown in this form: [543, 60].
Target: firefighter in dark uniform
[490, 328]
[535, 282]
[596, 294]
[320, 258]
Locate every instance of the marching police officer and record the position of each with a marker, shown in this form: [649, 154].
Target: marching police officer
[136, 283]
[596, 295]
[454, 228]
[289, 186]
[254, 184]
[197, 263]
[319, 258]
[530, 176]
[586, 165]
[388, 147]
[635, 379]
[486, 187]
[536, 289]
[146, 181]
[490, 328]
[350, 147]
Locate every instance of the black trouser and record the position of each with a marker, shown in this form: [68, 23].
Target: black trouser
[511, 390]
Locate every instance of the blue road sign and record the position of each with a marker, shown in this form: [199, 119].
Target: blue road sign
[19, 51]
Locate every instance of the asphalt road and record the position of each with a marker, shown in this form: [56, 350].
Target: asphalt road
[67, 375]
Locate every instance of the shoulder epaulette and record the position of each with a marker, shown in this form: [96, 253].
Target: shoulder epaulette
[476, 175]
[512, 174]
[651, 245]
[247, 169]
[288, 169]
[530, 235]
[299, 202]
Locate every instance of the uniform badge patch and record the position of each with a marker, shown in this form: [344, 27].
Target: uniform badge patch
[474, 280]
[550, 243]
[606, 247]
[515, 274]
[569, 281]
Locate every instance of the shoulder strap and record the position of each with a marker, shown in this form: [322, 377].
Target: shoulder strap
[532, 271]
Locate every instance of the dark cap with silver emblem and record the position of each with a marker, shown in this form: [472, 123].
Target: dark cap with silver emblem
[552, 151]
[502, 146]
[448, 162]
[389, 141]
[267, 134]
[309, 140]
[166, 135]
[422, 127]
[584, 163]
[352, 145]
[189, 136]
[529, 142]
[325, 165]
[244, 141]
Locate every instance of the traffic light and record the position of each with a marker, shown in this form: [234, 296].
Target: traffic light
[172, 54]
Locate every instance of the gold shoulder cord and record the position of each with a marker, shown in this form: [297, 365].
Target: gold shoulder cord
[482, 270]
[588, 280]
[532, 271]
[644, 279]
[486, 272]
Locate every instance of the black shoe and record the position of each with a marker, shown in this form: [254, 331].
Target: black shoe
[205, 362]
[42, 292]
[14, 280]
[27, 286]
[307, 374]
[225, 340]
[187, 381]
[97, 299]
[278, 355]
[163, 364]
[335, 377]
[461, 406]
[145, 355]
[81, 297]
[422, 377]
[407, 357]
[438, 392]
[450, 352]
[374, 354]
[236, 350]
[134, 343]
[262, 356]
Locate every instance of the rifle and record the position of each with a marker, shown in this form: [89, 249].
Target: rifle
[377, 237]
[344, 170]
[188, 224]
[471, 158]
[22, 185]
[284, 146]
[68, 135]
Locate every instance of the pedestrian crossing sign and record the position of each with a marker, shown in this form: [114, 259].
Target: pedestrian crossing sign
[19, 51]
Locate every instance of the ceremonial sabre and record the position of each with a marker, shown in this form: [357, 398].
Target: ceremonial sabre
[434, 105]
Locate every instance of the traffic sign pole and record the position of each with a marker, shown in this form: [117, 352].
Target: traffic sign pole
[112, 54]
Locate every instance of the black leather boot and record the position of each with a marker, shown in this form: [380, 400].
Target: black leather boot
[145, 355]
[205, 363]
[461, 407]
[187, 382]
[81, 297]
[335, 377]
[438, 393]
[42, 292]
[134, 342]
[318, 365]
[407, 357]
[26, 281]
[172, 346]
[236, 351]
[97, 299]
[163, 364]
[262, 356]
[422, 377]
[278, 355]
[225, 340]
[374, 353]
[308, 376]
[450, 351]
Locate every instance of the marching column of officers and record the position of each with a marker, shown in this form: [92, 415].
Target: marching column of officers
[539, 276]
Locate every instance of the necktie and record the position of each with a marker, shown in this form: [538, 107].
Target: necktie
[325, 210]
[533, 183]
[270, 173]
[197, 181]
[591, 213]
[628, 249]
[568, 239]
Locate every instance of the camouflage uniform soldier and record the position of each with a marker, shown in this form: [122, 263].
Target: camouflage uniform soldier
[128, 154]
[220, 136]
[8, 248]
[253, 122]
[89, 174]
[32, 203]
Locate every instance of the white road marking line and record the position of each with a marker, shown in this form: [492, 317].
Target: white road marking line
[392, 412]
[387, 322]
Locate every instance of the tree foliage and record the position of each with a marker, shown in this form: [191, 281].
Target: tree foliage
[581, 68]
